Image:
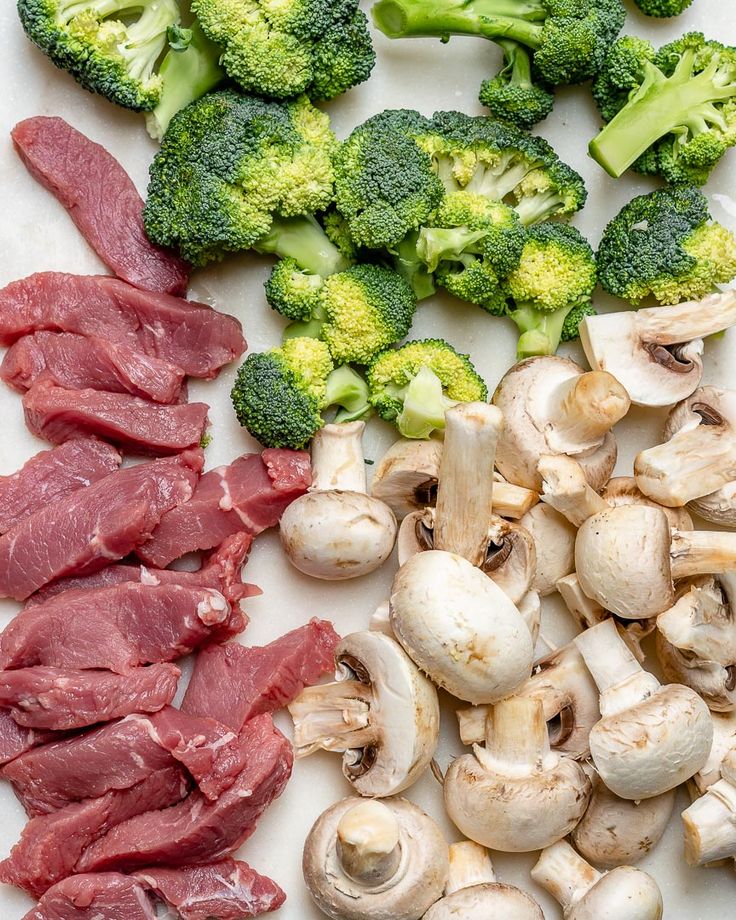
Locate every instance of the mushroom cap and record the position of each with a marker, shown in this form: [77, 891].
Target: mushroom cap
[654, 745]
[554, 538]
[484, 902]
[711, 680]
[417, 884]
[623, 490]
[719, 507]
[724, 741]
[406, 476]
[624, 892]
[459, 627]
[622, 557]
[337, 535]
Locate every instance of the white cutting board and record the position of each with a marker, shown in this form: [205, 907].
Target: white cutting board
[37, 235]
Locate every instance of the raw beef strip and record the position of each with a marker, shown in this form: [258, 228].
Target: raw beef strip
[101, 200]
[223, 890]
[50, 845]
[62, 699]
[91, 527]
[233, 683]
[190, 335]
[16, 740]
[102, 896]
[52, 475]
[197, 831]
[250, 494]
[79, 362]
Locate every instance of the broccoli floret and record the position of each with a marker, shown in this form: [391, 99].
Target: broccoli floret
[513, 94]
[414, 385]
[282, 48]
[664, 245]
[294, 292]
[671, 112]
[663, 9]
[571, 326]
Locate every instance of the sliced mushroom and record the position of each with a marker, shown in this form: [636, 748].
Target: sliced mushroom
[623, 490]
[650, 737]
[336, 531]
[380, 620]
[382, 714]
[624, 893]
[370, 860]
[710, 822]
[554, 540]
[657, 353]
[515, 794]
[552, 406]
[724, 740]
[530, 608]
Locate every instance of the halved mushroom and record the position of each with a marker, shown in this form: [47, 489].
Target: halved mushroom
[381, 713]
[370, 860]
[623, 490]
[724, 740]
[657, 353]
[515, 794]
[554, 540]
[710, 822]
[650, 737]
[336, 531]
[624, 893]
[472, 892]
[552, 406]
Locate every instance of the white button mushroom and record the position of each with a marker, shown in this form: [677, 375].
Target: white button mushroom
[381, 713]
[371, 860]
[515, 794]
[336, 531]
[552, 406]
[710, 822]
[656, 353]
[624, 893]
[554, 541]
[650, 737]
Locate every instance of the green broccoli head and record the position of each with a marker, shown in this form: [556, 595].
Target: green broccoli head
[414, 385]
[663, 9]
[293, 292]
[571, 324]
[664, 245]
[513, 94]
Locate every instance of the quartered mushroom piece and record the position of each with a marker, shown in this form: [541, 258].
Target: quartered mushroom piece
[382, 714]
[657, 353]
[554, 540]
[710, 822]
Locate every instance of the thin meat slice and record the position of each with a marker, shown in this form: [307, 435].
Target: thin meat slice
[250, 494]
[50, 845]
[196, 830]
[190, 335]
[101, 896]
[52, 475]
[79, 362]
[224, 890]
[91, 527]
[101, 200]
[15, 740]
[62, 699]
[233, 683]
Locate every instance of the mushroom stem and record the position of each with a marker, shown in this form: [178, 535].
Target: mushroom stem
[584, 408]
[710, 822]
[702, 552]
[465, 492]
[332, 717]
[368, 843]
[516, 731]
[684, 322]
[337, 458]
[510, 501]
[470, 865]
[566, 489]
[564, 873]
[586, 611]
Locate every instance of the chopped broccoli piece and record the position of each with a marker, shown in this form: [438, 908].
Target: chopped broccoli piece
[664, 245]
[513, 94]
[294, 292]
[571, 326]
[663, 9]
[414, 385]
[407, 263]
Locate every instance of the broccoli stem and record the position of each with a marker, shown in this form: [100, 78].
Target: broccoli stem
[424, 405]
[540, 330]
[303, 239]
[347, 389]
[440, 244]
[517, 63]
[309, 328]
[408, 264]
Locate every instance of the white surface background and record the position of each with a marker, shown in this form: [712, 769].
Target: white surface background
[36, 235]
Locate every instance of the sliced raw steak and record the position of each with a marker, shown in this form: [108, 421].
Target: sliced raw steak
[224, 890]
[79, 362]
[52, 475]
[62, 699]
[233, 683]
[100, 896]
[91, 527]
[16, 740]
[250, 494]
[198, 831]
[101, 200]
[190, 335]
[50, 845]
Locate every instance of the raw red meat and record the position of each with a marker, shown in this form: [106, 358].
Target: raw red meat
[52, 475]
[250, 494]
[197, 831]
[190, 335]
[223, 890]
[102, 896]
[93, 526]
[101, 200]
[233, 683]
[62, 699]
[16, 740]
[50, 845]
[79, 362]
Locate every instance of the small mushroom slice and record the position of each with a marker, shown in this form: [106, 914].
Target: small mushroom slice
[382, 714]
[710, 822]
[623, 490]
[472, 892]
[650, 737]
[515, 794]
[657, 353]
[624, 893]
[554, 540]
[336, 531]
[371, 860]
[552, 406]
